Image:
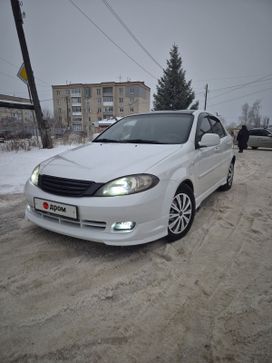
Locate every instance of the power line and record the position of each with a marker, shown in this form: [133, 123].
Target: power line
[17, 67]
[47, 99]
[237, 98]
[232, 77]
[241, 85]
[115, 14]
[14, 77]
[110, 39]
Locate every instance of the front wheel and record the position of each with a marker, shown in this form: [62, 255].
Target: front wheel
[181, 214]
[230, 176]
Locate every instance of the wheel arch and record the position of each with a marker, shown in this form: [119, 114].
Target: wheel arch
[187, 182]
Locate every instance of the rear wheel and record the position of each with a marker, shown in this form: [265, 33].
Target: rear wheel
[181, 214]
[230, 176]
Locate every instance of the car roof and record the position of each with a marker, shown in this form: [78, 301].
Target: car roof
[259, 128]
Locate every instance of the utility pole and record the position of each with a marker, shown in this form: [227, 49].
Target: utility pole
[206, 96]
[42, 124]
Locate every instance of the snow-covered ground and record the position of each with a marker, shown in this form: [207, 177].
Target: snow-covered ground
[16, 167]
[204, 298]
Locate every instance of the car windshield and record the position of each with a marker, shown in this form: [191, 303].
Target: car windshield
[154, 128]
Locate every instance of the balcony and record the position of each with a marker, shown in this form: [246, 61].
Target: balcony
[108, 103]
[77, 113]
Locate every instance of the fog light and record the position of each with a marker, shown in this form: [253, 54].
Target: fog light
[123, 226]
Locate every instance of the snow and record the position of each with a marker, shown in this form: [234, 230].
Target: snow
[16, 167]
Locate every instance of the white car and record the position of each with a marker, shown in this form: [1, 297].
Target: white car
[140, 180]
[260, 137]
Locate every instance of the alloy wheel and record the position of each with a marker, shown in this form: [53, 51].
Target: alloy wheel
[181, 212]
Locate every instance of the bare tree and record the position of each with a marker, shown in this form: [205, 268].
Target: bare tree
[266, 121]
[244, 116]
[251, 115]
[254, 114]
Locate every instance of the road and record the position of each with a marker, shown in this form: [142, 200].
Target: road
[204, 298]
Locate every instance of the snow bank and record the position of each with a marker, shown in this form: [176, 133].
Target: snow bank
[16, 167]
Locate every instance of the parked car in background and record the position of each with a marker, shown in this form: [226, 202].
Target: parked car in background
[259, 137]
[139, 180]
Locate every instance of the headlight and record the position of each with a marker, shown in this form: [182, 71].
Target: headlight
[128, 185]
[35, 175]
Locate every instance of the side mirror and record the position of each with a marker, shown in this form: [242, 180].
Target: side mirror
[209, 140]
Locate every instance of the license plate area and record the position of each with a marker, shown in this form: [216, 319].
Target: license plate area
[55, 208]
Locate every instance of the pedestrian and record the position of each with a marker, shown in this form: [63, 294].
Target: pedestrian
[242, 138]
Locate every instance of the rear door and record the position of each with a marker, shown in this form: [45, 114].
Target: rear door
[206, 158]
[224, 149]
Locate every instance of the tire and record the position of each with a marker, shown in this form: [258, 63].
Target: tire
[254, 147]
[230, 176]
[181, 213]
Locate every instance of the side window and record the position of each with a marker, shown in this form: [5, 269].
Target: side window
[255, 132]
[217, 127]
[203, 127]
[264, 133]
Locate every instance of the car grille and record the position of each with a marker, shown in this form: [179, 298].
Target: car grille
[67, 187]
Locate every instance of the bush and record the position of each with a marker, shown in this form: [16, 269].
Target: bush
[19, 144]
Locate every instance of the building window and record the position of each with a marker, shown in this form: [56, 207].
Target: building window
[77, 127]
[99, 100]
[107, 99]
[76, 108]
[131, 109]
[76, 99]
[87, 92]
[77, 119]
[99, 110]
[67, 92]
[121, 100]
[121, 109]
[75, 91]
[131, 91]
[107, 90]
[98, 91]
[121, 91]
[108, 109]
[59, 110]
[58, 93]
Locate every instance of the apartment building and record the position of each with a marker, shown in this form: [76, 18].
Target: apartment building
[16, 120]
[78, 106]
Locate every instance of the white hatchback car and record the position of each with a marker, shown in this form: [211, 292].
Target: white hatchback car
[140, 180]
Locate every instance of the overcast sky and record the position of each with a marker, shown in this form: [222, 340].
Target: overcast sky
[223, 43]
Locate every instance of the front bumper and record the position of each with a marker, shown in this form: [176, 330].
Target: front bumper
[98, 214]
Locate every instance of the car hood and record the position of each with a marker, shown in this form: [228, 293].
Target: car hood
[101, 162]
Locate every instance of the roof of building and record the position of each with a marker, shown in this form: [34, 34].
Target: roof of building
[101, 84]
[14, 98]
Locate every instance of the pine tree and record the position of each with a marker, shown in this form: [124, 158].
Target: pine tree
[173, 91]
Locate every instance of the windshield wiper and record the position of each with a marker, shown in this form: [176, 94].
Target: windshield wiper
[142, 141]
[105, 140]
[130, 141]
